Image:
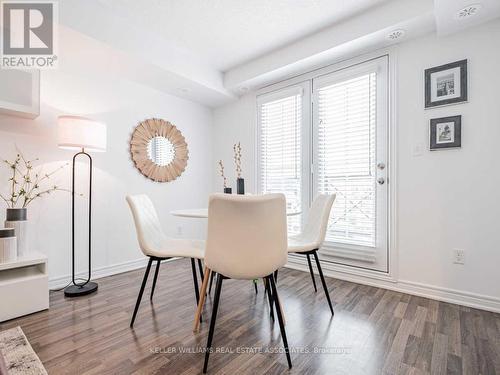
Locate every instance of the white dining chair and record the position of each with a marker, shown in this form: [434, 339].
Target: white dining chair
[312, 237]
[157, 246]
[247, 240]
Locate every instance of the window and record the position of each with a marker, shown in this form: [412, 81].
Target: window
[346, 157]
[280, 125]
[329, 134]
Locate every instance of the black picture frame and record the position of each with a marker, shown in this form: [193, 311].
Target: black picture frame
[438, 141]
[463, 95]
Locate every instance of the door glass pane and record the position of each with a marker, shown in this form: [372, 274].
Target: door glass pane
[280, 152]
[346, 158]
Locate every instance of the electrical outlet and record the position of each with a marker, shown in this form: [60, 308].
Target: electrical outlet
[458, 256]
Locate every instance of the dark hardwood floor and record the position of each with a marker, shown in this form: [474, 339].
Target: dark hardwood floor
[374, 331]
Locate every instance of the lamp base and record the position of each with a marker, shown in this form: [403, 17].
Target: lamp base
[76, 291]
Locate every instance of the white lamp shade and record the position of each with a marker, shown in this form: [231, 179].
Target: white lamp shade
[77, 132]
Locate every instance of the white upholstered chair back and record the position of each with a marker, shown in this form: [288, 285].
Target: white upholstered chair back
[247, 235]
[317, 220]
[147, 225]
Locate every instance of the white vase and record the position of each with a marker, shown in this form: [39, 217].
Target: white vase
[17, 218]
[21, 229]
[8, 245]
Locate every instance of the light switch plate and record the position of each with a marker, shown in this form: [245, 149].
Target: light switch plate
[418, 149]
[458, 256]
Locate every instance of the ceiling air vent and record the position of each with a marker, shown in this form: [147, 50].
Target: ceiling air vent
[396, 34]
[468, 11]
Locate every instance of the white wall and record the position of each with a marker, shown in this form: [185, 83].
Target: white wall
[235, 123]
[121, 105]
[446, 199]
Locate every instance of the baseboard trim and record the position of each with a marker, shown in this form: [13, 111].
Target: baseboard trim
[114, 269]
[477, 301]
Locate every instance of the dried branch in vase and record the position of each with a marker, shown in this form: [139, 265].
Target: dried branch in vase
[237, 158]
[26, 184]
[221, 171]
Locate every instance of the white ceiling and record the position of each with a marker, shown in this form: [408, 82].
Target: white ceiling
[210, 51]
[226, 33]
[446, 14]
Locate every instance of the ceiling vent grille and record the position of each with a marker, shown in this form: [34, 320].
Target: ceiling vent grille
[468, 11]
[396, 34]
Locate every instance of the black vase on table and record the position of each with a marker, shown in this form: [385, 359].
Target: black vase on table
[240, 186]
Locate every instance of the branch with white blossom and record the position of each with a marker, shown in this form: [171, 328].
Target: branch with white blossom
[237, 158]
[24, 187]
[221, 171]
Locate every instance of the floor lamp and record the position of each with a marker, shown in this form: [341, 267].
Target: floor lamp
[84, 135]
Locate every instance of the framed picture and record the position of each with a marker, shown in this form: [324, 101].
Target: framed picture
[446, 132]
[446, 84]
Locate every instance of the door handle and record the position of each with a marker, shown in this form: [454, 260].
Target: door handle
[380, 180]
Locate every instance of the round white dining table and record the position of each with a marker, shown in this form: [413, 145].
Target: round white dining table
[202, 213]
[195, 213]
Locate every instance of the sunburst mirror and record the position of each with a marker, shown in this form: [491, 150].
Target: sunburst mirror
[159, 150]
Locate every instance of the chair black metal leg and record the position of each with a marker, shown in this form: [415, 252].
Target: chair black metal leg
[139, 297]
[280, 320]
[323, 281]
[200, 267]
[195, 281]
[255, 286]
[311, 271]
[211, 281]
[218, 288]
[269, 296]
[155, 278]
[276, 276]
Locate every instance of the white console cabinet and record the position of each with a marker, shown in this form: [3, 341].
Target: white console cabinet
[20, 93]
[24, 286]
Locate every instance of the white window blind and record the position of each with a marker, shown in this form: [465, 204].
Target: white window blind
[346, 157]
[280, 120]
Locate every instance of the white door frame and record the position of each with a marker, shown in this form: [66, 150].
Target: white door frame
[391, 53]
[356, 255]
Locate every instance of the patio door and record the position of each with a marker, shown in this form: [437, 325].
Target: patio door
[349, 159]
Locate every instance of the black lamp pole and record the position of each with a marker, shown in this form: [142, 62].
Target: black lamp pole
[87, 287]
